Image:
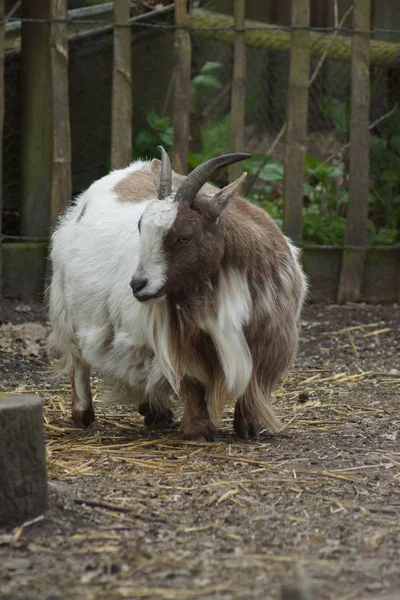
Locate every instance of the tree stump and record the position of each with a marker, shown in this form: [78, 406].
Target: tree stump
[23, 484]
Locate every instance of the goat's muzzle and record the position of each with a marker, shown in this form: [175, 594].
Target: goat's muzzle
[138, 285]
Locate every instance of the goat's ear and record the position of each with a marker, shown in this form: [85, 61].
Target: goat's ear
[155, 167]
[222, 198]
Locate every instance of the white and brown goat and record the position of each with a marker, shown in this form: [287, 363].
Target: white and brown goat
[217, 294]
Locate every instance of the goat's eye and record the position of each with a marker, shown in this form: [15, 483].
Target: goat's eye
[183, 240]
[138, 225]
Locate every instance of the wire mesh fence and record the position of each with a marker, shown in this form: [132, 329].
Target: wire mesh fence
[90, 84]
[11, 145]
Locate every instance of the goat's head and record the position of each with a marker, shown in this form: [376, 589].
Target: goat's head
[181, 243]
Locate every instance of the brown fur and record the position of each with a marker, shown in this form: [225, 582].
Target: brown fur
[196, 423]
[135, 187]
[203, 240]
[139, 185]
[246, 238]
[82, 417]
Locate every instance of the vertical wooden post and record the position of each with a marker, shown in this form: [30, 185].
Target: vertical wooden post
[121, 111]
[297, 113]
[238, 95]
[36, 119]
[181, 121]
[45, 144]
[357, 209]
[1, 135]
[61, 183]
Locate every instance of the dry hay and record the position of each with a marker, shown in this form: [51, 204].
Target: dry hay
[235, 519]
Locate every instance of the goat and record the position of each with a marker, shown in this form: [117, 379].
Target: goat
[210, 314]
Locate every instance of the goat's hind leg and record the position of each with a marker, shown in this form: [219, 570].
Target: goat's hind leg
[243, 421]
[157, 413]
[253, 411]
[82, 407]
[156, 407]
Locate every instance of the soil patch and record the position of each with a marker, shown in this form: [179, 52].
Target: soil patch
[139, 514]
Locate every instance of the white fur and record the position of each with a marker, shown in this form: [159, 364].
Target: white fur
[95, 316]
[94, 259]
[156, 221]
[226, 330]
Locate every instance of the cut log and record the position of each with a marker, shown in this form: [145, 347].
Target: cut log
[23, 483]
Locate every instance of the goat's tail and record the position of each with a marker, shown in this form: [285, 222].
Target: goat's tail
[62, 339]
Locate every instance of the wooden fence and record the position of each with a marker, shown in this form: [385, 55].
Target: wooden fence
[351, 273]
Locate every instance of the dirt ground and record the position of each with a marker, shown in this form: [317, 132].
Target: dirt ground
[142, 514]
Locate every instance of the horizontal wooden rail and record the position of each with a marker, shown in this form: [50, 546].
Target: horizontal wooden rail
[258, 35]
[267, 37]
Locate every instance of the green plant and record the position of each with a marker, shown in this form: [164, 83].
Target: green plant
[203, 83]
[215, 140]
[160, 132]
[384, 201]
[385, 180]
[338, 112]
[323, 198]
[159, 129]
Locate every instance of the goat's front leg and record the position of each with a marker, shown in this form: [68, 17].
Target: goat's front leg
[196, 424]
[82, 407]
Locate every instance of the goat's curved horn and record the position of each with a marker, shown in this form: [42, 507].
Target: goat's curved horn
[199, 176]
[165, 175]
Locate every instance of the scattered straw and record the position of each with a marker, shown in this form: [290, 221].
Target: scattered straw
[377, 332]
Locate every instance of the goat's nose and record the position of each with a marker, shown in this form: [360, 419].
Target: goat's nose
[138, 284]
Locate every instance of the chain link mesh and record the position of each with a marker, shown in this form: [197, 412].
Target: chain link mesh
[90, 81]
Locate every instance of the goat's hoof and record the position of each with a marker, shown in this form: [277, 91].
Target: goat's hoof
[201, 432]
[155, 419]
[83, 418]
[244, 428]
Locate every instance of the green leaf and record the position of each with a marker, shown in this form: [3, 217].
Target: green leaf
[156, 122]
[395, 143]
[391, 177]
[386, 236]
[143, 140]
[167, 136]
[211, 66]
[152, 117]
[337, 111]
[251, 165]
[272, 171]
[207, 81]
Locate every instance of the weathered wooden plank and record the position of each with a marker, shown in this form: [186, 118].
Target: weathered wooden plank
[36, 120]
[181, 120]
[80, 22]
[23, 489]
[45, 146]
[61, 183]
[2, 2]
[238, 95]
[24, 270]
[121, 110]
[357, 209]
[296, 120]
